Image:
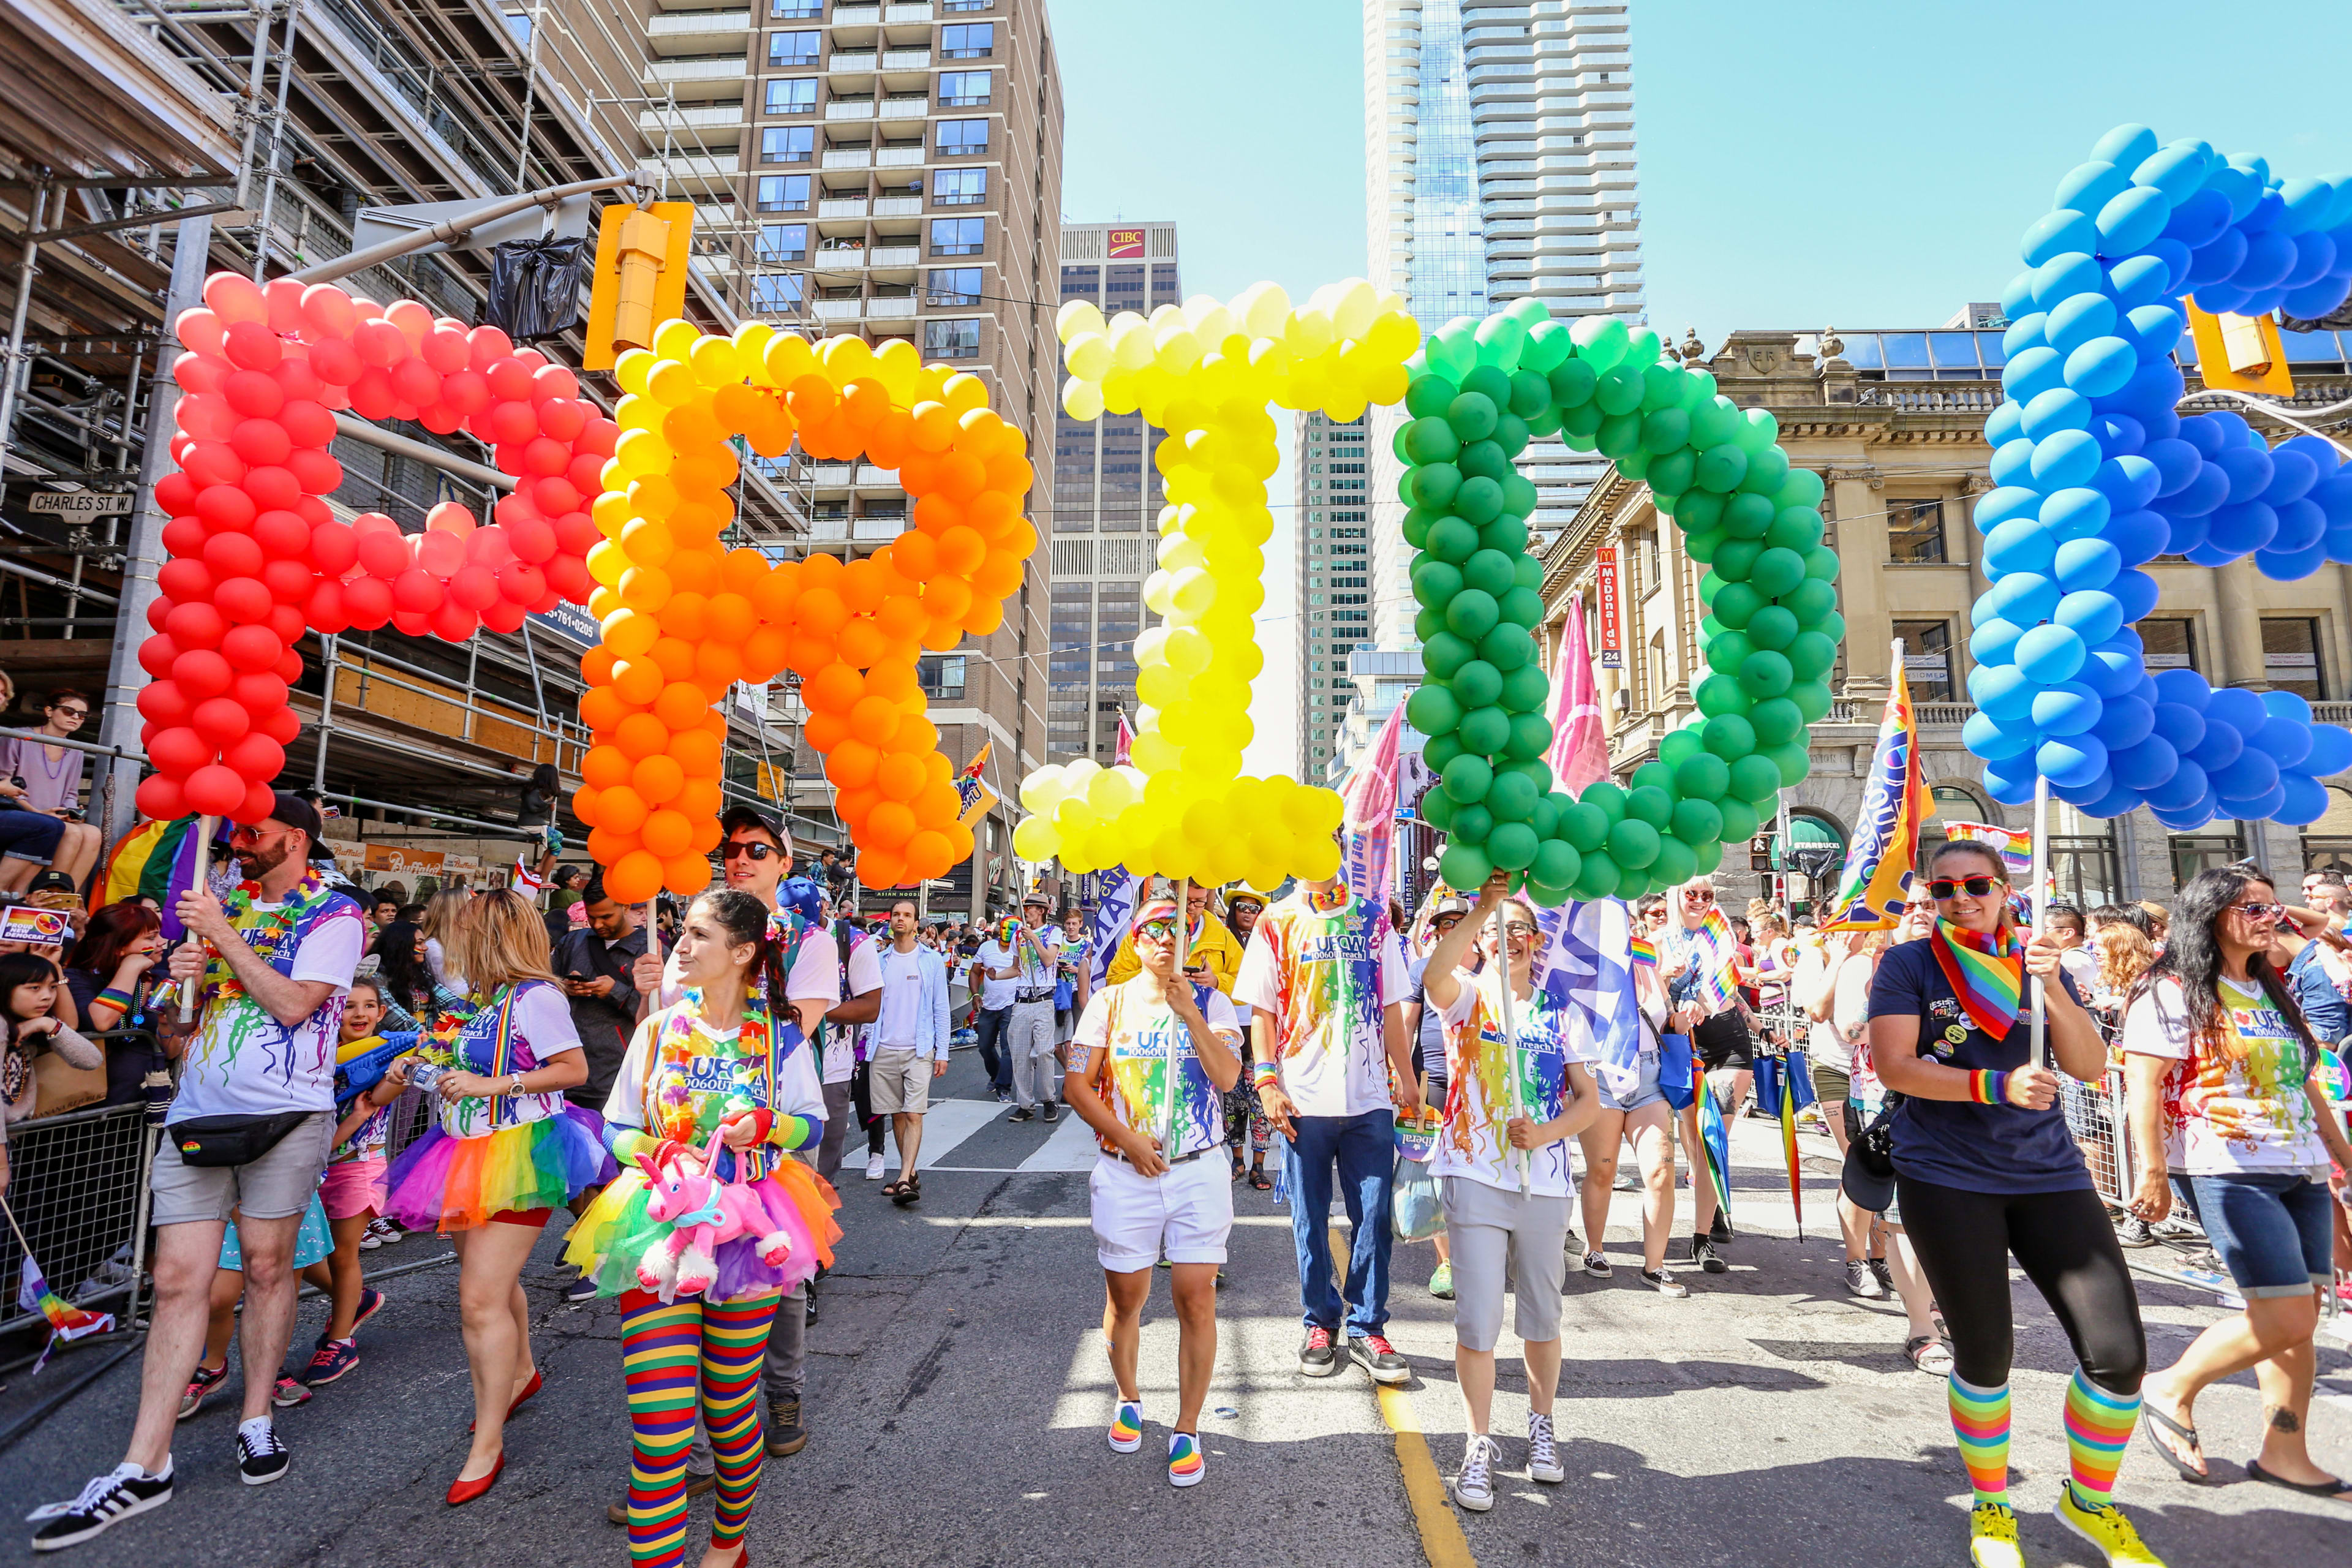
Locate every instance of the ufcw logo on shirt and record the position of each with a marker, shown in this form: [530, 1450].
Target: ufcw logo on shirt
[1341, 947]
[709, 1075]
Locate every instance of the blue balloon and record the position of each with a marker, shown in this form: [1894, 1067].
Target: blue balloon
[2050, 654]
[2136, 217]
[2207, 488]
[2024, 597]
[2034, 372]
[2016, 295]
[2136, 591]
[2152, 390]
[2126, 147]
[2071, 762]
[2175, 170]
[2117, 802]
[2098, 368]
[2119, 434]
[2242, 527]
[2222, 745]
[2068, 708]
[2307, 800]
[2020, 544]
[2081, 794]
[2307, 202]
[2292, 473]
[1996, 507]
[2065, 276]
[2197, 815]
[2184, 788]
[2216, 259]
[2338, 546]
[2314, 259]
[2333, 495]
[2076, 321]
[2250, 774]
[2077, 511]
[2089, 187]
[2314, 299]
[2207, 432]
[2085, 563]
[2290, 567]
[2127, 481]
[2065, 459]
[2093, 614]
[2059, 408]
[2249, 469]
[2146, 279]
[2137, 537]
[2301, 525]
[2111, 671]
[2240, 189]
[2286, 741]
[2282, 704]
[2179, 725]
[2025, 333]
[2196, 221]
[2254, 807]
[1991, 642]
[2125, 721]
[2331, 751]
[1986, 737]
[2270, 256]
[2146, 765]
[2235, 706]
[2231, 429]
[2000, 692]
[2185, 687]
[2176, 461]
[2005, 423]
[2055, 233]
[2151, 329]
[2013, 463]
[2209, 554]
[2010, 780]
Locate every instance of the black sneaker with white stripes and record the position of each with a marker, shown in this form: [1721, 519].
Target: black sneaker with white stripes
[261, 1457]
[105, 1501]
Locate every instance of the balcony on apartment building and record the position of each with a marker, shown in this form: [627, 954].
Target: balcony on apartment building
[697, 78]
[711, 126]
[701, 33]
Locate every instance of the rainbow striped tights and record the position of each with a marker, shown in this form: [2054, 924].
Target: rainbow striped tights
[672, 1356]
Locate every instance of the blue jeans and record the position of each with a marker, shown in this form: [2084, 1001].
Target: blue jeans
[989, 1025]
[2272, 1229]
[1365, 1150]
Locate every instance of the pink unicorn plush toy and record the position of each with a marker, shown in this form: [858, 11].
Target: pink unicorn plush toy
[703, 1213]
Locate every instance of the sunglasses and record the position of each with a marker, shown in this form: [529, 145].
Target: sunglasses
[2260, 911]
[1698, 896]
[242, 834]
[1156, 930]
[1943, 888]
[756, 851]
[70, 712]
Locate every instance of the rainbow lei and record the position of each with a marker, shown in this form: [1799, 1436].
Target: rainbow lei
[1986, 971]
[220, 980]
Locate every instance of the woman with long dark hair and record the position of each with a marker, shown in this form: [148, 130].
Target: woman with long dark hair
[108, 974]
[400, 966]
[1985, 1171]
[2217, 1061]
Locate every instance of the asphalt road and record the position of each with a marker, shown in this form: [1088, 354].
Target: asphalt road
[957, 1395]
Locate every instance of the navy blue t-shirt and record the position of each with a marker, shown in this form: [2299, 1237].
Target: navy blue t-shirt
[1957, 1143]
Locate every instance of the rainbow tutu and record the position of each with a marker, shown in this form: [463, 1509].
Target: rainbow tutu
[446, 1184]
[615, 1232]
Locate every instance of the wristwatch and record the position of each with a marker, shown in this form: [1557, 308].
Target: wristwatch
[517, 1080]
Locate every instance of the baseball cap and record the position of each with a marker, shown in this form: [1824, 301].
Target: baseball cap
[294, 812]
[739, 817]
[1449, 905]
[51, 882]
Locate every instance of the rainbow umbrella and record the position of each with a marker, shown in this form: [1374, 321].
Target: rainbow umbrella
[1717, 1138]
[1784, 1086]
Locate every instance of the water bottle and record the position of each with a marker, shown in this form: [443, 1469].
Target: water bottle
[1278, 1152]
[423, 1075]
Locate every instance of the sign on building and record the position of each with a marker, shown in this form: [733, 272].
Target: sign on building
[1613, 646]
[79, 503]
[1124, 244]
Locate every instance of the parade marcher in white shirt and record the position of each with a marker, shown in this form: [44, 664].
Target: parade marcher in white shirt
[1029, 961]
[911, 1042]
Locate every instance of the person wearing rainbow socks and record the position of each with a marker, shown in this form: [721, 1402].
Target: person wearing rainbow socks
[1985, 1170]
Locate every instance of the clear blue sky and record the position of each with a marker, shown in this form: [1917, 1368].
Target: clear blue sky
[1855, 162]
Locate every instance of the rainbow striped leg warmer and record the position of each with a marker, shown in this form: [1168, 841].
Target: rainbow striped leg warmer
[1981, 1422]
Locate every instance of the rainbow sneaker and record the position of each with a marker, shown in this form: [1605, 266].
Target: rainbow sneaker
[1186, 1465]
[2107, 1529]
[1127, 1427]
[1992, 1537]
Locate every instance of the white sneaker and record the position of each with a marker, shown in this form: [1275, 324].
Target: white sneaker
[873, 1167]
[1543, 1453]
[1473, 1484]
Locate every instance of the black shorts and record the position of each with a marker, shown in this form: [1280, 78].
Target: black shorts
[1723, 1041]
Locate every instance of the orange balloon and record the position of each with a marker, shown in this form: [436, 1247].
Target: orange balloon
[658, 779]
[865, 403]
[717, 665]
[635, 878]
[985, 617]
[706, 473]
[770, 431]
[699, 752]
[935, 513]
[889, 826]
[641, 735]
[819, 570]
[730, 617]
[715, 722]
[604, 766]
[934, 426]
[960, 843]
[929, 856]
[936, 769]
[854, 803]
[820, 610]
[679, 704]
[947, 598]
[874, 720]
[645, 588]
[697, 571]
[638, 682]
[881, 868]
[773, 596]
[919, 474]
[706, 830]
[603, 707]
[811, 397]
[596, 666]
[735, 405]
[629, 633]
[686, 615]
[833, 689]
[942, 636]
[961, 476]
[676, 656]
[648, 541]
[895, 682]
[916, 735]
[861, 587]
[700, 799]
[936, 805]
[993, 512]
[622, 810]
[1010, 472]
[823, 732]
[688, 874]
[898, 775]
[962, 549]
[606, 846]
[902, 618]
[583, 805]
[862, 643]
[852, 765]
[744, 569]
[887, 444]
[764, 652]
[997, 576]
[667, 834]
[916, 556]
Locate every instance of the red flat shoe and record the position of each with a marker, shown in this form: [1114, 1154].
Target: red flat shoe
[528, 1390]
[466, 1491]
[742, 1553]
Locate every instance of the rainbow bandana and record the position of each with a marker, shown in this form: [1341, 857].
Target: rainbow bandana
[1986, 971]
[1718, 961]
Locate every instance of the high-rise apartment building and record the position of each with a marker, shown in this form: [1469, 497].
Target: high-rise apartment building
[1333, 523]
[1499, 165]
[1106, 501]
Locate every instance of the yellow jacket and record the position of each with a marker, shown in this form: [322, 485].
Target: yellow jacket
[1213, 945]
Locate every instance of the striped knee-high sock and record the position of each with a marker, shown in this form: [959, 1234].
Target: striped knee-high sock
[734, 1344]
[2098, 1425]
[661, 1348]
[1981, 1422]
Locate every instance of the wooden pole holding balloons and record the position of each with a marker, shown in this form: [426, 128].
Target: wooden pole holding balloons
[192, 986]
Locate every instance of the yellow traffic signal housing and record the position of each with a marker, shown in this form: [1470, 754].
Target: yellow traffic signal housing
[641, 261]
[2240, 353]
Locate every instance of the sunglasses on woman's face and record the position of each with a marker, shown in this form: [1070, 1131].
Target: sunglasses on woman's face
[1518, 928]
[1698, 896]
[1944, 888]
[2260, 911]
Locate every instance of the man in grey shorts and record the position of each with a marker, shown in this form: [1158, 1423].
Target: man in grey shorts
[248, 1130]
[910, 1039]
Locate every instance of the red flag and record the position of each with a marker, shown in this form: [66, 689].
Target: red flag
[1125, 742]
[1579, 745]
[1371, 799]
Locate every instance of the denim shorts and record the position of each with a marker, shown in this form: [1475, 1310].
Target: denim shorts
[2272, 1229]
[1644, 1092]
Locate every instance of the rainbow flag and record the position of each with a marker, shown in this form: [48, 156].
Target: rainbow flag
[1877, 879]
[156, 859]
[1645, 953]
[68, 1322]
[2016, 848]
[1718, 961]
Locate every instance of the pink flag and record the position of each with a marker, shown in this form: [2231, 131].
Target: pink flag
[1371, 799]
[1580, 746]
[1125, 742]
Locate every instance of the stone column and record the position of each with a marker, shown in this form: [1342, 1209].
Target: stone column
[1859, 514]
[2236, 586]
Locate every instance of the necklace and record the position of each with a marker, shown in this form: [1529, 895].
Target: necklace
[305, 896]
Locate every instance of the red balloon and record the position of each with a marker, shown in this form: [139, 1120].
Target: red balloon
[382, 554]
[512, 424]
[563, 418]
[158, 654]
[487, 345]
[576, 533]
[331, 548]
[285, 620]
[307, 424]
[554, 496]
[416, 382]
[260, 800]
[260, 441]
[185, 535]
[474, 587]
[325, 610]
[444, 349]
[510, 379]
[159, 798]
[242, 599]
[254, 757]
[212, 463]
[416, 591]
[197, 625]
[316, 471]
[220, 719]
[465, 393]
[259, 693]
[288, 581]
[533, 539]
[380, 344]
[184, 581]
[440, 551]
[505, 616]
[281, 534]
[313, 510]
[410, 624]
[452, 622]
[368, 602]
[274, 489]
[207, 418]
[179, 751]
[253, 345]
[201, 673]
[176, 494]
[599, 437]
[162, 702]
[255, 395]
[522, 581]
[199, 372]
[282, 726]
[159, 613]
[213, 791]
[372, 395]
[299, 380]
[586, 472]
[545, 455]
[252, 649]
[290, 663]
[440, 418]
[488, 547]
[568, 577]
[225, 506]
[235, 555]
[553, 381]
[337, 363]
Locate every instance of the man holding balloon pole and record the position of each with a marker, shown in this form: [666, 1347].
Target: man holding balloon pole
[1326, 981]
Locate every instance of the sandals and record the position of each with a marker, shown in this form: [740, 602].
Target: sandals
[2332, 1490]
[910, 1190]
[2151, 1417]
[892, 1189]
[1929, 1354]
[1259, 1178]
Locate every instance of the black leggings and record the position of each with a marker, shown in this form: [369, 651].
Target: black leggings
[2063, 1242]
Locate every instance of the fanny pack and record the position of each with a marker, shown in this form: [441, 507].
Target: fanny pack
[1868, 1176]
[214, 1140]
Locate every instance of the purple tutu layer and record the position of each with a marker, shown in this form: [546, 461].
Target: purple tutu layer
[446, 1184]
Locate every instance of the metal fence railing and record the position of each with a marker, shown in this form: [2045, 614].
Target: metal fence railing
[2095, 1115]
[78, 1186]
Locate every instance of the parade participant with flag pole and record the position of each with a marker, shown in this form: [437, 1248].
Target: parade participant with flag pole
[1698, 958]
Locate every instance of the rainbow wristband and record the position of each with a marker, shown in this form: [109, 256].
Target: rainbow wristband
[114, 998]
[1265, 1075]
[1989, 1087]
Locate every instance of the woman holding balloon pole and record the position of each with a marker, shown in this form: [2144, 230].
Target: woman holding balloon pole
[718, 1064]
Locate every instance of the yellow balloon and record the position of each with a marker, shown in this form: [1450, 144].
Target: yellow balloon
[1035, 839]
[1082, 399]
[1088, 356]
[1078, 316]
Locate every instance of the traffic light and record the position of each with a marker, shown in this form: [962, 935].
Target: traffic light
[2240, 353]
[641, 260]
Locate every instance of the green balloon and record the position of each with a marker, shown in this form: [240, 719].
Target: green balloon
[1443, 654]
[1597, 878]
[1698, 390]
[1702, 776]
[1537, 771]
[1542, 896]
[1512, 797]
[1437, 809]
[1674, 472]
[1467, 778]
[1701, 547]
[1802, 488]
[1530, 735]
[1508, 648]
[1608, 797]
[1489, 571]
[1491, 382]
[1472, 613]
[1695, 821]
[1767, 471]
[1427, 396]
[1572, 383]
[1599, 339]
[1728, 736]
[1735, 603]
[1641, 347]
[1747, 517]
[1633, 843]
[1452, 539]
[1726, 651]
[1530, 393]
[1634, 465]
[1793, 762]
[1712, 424]
[1820, 562]
[1463, 865]
[1472, 823]
[1548, 344]
[1765, 674]
[1544, 424]
[1772, 627]
[1704, 859]
[1544, 818]
[1522, 607]
[1759, 429]
[1678, 747]
[1518, 494]
[1739, 818]
[1585, 825]
[1478, 501]
[1499, 339]
[1486, 461]
[1776, 721]
[1434, 583]
[1676, 863]
[1557, 862]
[1526, 571]
[1661, 388]
[1620, 436]
[1666, 430]
[1651, 803]
[1476, 684]
[1720, 468]
[1812, 601]
[1812, 700]
[1811, 655]
[1453, 350]
[1512, 845]
[1830, 626]
[1701, 512]
[1525, 688]
[1439, 750]
[1655, 775]
[1582, 421]
[1719, 696]
[1776, 571]
[1797, 528]
[1432, 710]
[1756, 779]
[1431, 440]
[1428, 623]
[1433, 485]
[1507, 533]
[1486, 730]
[1737, 559]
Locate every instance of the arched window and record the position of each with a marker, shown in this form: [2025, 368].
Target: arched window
[2327, 842]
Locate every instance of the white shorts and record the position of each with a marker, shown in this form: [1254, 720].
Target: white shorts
[1185, 1215]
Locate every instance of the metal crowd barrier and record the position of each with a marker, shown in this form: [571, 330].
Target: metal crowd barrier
[2095, 1115]
[78, 1185]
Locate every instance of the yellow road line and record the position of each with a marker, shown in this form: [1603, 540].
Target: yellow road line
[1441, 1540]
